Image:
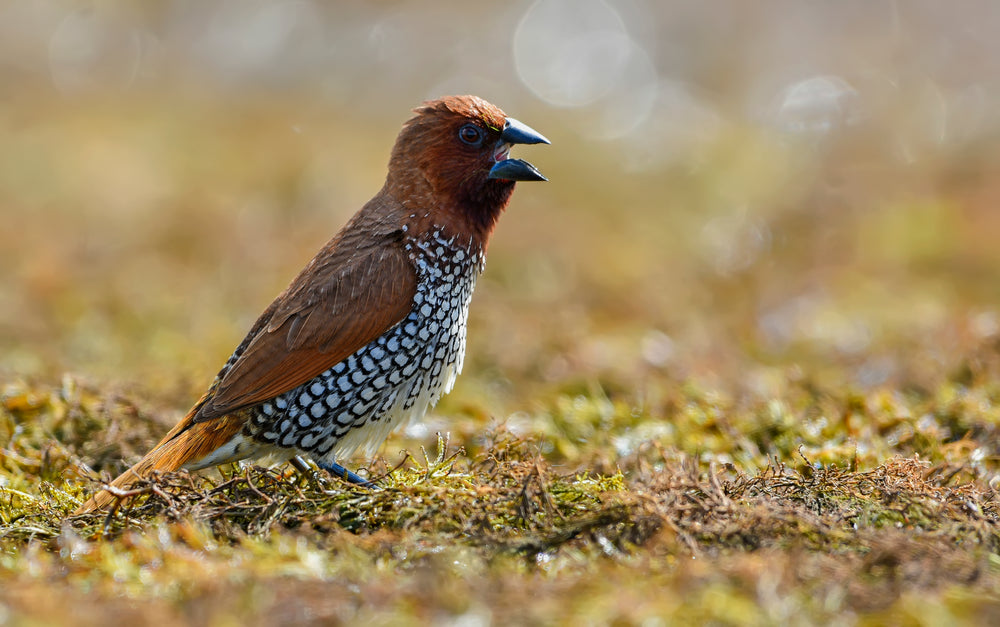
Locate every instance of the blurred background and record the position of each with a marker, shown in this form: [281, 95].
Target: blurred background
[740, 193]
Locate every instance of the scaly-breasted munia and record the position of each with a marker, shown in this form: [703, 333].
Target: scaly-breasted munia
[371, 332]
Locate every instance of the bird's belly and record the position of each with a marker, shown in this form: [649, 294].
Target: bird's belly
[394, 379]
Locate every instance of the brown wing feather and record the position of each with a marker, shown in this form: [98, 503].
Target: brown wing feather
[360, 285]
[353, 291]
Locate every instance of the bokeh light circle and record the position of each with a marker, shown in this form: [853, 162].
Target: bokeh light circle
[570, 53]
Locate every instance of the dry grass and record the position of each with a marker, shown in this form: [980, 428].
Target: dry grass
[503, 534]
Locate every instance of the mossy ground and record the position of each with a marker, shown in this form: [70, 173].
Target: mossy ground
[661, 534]
[672, 410]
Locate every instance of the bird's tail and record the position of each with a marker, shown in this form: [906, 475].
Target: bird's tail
[185, 446]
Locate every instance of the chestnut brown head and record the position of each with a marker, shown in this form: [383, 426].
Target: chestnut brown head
[460, 146]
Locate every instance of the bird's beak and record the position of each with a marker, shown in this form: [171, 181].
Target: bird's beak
[515, 132]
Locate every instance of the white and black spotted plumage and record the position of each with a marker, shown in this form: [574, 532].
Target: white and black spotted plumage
[388, 382]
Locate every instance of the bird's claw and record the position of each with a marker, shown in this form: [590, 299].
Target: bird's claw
[333, 469]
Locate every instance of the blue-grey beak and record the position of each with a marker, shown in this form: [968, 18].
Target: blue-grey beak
[515, 170]
[515, 132]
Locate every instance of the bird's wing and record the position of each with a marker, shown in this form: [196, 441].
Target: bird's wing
[350, 294]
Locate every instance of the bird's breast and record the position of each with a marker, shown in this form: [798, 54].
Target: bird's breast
[393, 379]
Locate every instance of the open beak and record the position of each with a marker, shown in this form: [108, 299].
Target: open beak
[505, 169]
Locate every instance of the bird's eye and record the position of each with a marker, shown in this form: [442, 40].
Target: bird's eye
[471, 134]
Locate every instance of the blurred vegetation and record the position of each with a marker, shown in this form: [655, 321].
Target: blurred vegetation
[737, 362]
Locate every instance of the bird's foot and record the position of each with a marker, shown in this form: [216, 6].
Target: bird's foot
[334, 469]
[340, 472]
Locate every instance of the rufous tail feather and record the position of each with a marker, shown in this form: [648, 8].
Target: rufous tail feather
[185, 444]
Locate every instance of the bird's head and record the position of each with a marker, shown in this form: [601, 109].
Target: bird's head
[457, 148]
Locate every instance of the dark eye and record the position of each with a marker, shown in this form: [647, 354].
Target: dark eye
[471, 134]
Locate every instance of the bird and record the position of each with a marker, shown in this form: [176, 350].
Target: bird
[372, 332]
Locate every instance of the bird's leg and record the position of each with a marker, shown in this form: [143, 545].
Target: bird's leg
[301, 465]
[334, 469]
[339, 471]
[304, 469]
